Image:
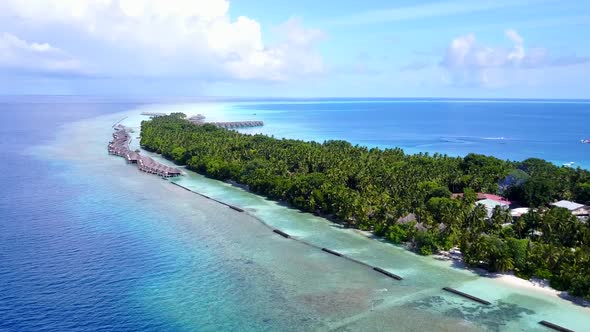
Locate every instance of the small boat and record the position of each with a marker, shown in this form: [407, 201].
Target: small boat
[586, 141]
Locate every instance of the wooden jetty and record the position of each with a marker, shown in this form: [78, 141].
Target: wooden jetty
[119, 146]
[153, 114]
[199, 119]
[467, 296]
[237, 124]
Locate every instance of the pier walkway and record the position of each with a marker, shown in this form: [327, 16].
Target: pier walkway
[119, 146]
[237, 124]
[199, 119]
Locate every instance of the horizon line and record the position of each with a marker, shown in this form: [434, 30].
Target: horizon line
[246, 98]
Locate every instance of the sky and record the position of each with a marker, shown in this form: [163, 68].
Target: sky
[305, 48]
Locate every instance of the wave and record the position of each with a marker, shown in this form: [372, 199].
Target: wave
[470, 139]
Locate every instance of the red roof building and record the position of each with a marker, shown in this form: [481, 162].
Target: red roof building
[492, 197]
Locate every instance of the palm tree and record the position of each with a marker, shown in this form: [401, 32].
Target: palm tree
[504, 263]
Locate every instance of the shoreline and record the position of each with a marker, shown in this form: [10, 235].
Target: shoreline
[509, 278]
[538, 286]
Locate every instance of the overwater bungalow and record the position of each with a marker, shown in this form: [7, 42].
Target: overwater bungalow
[132, 157]
[153, 114]
[119, 146]
[197, 119]
[237, 124]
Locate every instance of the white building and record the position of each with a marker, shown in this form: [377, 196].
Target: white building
[519, 211]
[490, 204]
[576, 209]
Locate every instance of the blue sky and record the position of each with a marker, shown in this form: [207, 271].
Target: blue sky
[371, 48]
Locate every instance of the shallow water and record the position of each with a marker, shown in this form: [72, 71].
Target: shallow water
[90, 243]
[512, 309]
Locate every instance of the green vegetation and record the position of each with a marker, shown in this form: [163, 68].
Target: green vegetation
[371, 189]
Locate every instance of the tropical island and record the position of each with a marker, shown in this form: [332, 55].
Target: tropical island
[429, 201]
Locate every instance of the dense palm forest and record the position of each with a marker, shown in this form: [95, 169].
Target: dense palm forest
[404, 198]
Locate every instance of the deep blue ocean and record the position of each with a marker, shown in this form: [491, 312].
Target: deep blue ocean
[56, 274]
[508, 129]
[84, 248]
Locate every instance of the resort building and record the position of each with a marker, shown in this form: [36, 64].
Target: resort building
[498, 199]
[490, 204]
[490, 201]
[410, 217]
[576, 209]
[483, 196]
[518, 212]
[197, 119]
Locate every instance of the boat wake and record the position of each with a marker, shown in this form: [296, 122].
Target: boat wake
[470, 139]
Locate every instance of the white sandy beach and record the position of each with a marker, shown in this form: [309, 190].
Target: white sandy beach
[508, 278]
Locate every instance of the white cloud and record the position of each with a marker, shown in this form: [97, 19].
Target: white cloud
[465, 52]
[514, 36]
[195, 37]
[19, 54]
[470, 62]
[517, 54]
